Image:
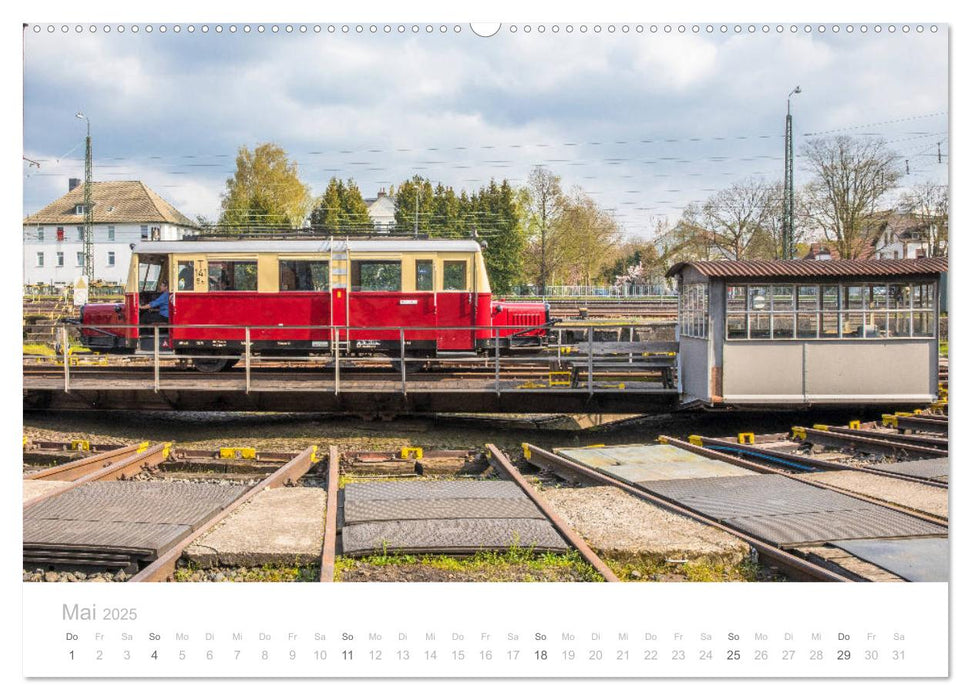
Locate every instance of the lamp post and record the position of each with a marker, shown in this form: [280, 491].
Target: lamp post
[788, 244]
[88, 213]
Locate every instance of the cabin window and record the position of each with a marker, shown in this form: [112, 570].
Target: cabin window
[424, 275]
[693, 312]
[375, 276]
[186, 276]
[454, 275]
[149, 274]
[304, 275]
[232, 276]
[852, 310]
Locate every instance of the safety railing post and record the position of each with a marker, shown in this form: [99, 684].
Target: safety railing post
[65, 351]
[590, 360]
[246, 357]
[404, 385]
[155, 357]
[496, 344]
[337, 362]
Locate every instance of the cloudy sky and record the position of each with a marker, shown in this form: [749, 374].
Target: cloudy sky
[645, 121]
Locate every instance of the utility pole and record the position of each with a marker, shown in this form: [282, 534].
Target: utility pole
[88, 205]
[417, 197]
[788, 200]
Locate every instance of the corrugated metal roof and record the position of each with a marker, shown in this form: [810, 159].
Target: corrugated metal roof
[308, 246]
[763, 269]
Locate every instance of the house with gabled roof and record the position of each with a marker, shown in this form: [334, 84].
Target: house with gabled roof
[124, 212]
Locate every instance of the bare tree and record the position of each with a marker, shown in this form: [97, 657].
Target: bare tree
[929, 203]
[851, 178]
[545, 207]
[738, 217]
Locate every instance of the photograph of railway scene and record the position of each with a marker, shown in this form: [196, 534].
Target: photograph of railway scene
[485, 303]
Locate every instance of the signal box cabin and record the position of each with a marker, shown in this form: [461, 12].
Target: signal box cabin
[303, 295]
[809, 332]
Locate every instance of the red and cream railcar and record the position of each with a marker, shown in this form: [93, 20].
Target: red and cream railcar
[304, 295]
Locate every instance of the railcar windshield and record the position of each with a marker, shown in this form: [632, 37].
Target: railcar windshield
[150, 273]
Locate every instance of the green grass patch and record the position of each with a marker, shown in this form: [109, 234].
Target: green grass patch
[256, 574]
[484, 563]
[654, 568]
[38, 349]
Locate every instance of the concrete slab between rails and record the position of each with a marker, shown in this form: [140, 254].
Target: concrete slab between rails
[619, 525]
[279, 527]
[909, 494]
[37, 487]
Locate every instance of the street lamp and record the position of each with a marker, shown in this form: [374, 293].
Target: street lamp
[788, 245]
[88, 213]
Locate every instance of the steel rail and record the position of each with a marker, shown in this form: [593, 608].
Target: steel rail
[163, 567]
[502, 463]
[812, 462]
[790, 562]
[863, 443]
[935, 441]
[143, 458]
[715, 454]
[926, 424]
[77, 468]
[328, 555]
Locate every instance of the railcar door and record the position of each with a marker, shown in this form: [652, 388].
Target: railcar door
[455, 306]
[339, 288]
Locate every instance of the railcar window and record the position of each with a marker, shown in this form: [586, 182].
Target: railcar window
[854, 310]
[424, 275]
[454, 274]
[694, 310]
[232, 276]
[186, 277]
[375, 276]
[304, 275]
[148, 276]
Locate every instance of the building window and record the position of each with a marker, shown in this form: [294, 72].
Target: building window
[79, 209]
[232, 276]
[304, 275]
[144, 232]
[375, 276]
[111, 258]
[111, 233]
[829, 311]
[80, 233]
[424, 275]
[40, 260]
[693, 311]
[80, 259]
[60, 233]
[40, 234]
[60, 259]
[454, 276]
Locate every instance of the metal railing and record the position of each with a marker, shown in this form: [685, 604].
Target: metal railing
[573, 359]
[616, 290]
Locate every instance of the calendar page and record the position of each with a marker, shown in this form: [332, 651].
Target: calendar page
[558, 348]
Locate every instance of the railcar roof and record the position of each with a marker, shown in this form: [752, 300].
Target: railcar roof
[308, 246]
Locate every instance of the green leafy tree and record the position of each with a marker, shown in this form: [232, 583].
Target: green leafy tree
[413, 198]
[265, 192]
[498, 218]
[341, 210]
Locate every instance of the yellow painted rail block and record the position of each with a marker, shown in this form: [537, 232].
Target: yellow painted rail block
[746, 438]
[82, 445]
[412, 453]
